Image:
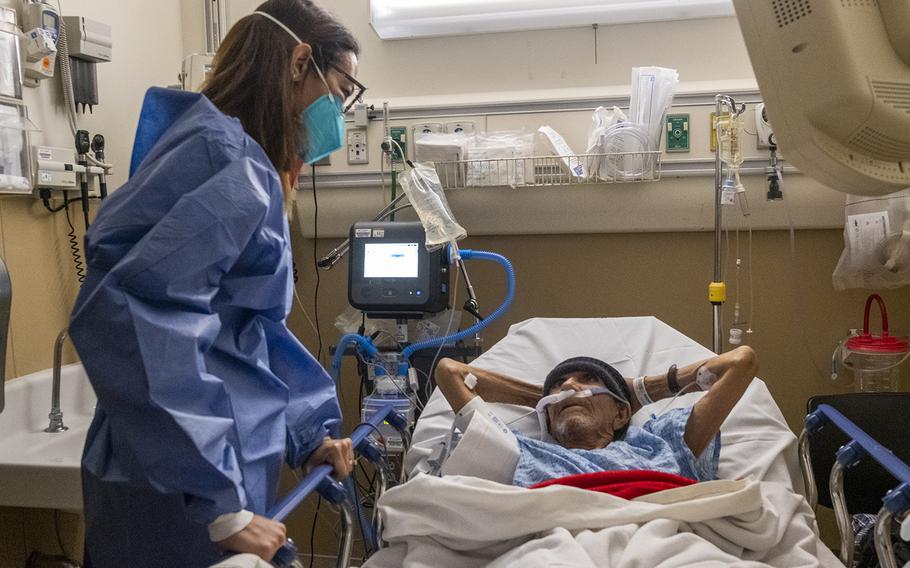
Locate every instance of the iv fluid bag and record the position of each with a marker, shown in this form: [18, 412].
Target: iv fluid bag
[421, 185]
[729, 136]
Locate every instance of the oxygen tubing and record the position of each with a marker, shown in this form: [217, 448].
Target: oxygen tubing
[468, 254]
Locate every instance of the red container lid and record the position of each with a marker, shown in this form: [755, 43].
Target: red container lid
[879, 344]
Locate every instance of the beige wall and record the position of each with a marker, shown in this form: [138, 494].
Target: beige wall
[148, 48]
[798, 316]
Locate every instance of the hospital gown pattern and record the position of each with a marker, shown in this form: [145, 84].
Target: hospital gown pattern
[658, 445]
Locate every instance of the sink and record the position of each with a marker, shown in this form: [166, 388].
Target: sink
[40, 469]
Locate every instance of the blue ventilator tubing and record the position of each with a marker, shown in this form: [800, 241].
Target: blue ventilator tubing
[367, 348]
[468, 254]
[365, 345]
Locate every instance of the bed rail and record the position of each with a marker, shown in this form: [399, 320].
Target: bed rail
[320, 479]
[896, 503]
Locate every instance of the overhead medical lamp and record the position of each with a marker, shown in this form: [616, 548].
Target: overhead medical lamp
[835, 76]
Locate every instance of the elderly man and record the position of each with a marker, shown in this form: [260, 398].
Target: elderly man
[585, 427]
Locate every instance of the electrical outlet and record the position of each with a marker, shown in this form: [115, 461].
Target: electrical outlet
[358, 149]
[460, 127]
[677, 133]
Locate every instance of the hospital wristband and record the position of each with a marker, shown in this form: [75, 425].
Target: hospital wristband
[641, 393]
[229, 524]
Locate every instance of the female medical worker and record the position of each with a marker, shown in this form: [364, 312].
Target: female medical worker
[181, 323]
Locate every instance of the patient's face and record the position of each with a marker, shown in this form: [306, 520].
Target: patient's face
[588, 422]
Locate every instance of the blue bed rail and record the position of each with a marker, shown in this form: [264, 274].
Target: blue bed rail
[862, 445]
[320, 479]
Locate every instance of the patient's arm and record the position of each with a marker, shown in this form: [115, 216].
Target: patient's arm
[659, 389]
[735, 371]
[492, 387]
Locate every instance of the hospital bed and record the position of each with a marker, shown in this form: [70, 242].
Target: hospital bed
[756, 441]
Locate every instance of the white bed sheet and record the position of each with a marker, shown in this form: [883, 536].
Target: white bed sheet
[755, 439]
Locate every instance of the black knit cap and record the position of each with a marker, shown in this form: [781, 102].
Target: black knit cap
[609, 376]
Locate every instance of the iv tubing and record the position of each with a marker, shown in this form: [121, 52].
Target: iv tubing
[510, 296]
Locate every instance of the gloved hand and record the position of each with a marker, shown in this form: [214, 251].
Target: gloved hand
[262, 537]
[337, 453]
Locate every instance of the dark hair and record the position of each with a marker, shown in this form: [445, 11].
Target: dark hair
[252, 77]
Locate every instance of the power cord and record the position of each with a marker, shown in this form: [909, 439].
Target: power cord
[74, 246]
[315, 257]
[313, 532]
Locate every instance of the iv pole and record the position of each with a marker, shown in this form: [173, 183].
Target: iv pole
[717, 290]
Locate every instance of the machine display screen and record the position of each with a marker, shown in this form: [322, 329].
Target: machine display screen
[390, 260]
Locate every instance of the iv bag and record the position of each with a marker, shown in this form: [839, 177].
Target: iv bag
[421, 185]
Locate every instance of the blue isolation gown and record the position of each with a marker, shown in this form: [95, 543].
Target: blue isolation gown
[181, 325]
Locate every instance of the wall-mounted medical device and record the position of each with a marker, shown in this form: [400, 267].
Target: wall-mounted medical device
[763, 130]
[41, 29]
[89, 42]
[391, 274]
[15, 127]
[57, 168]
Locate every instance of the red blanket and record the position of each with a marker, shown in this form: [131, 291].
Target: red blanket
[625, 484]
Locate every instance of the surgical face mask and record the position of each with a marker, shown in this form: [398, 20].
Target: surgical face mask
[321, 125]
[556, 398]
[321, 129]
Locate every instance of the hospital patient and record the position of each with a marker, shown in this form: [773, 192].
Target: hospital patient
[585, 407]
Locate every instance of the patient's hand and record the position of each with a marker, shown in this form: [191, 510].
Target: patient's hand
[735, 370]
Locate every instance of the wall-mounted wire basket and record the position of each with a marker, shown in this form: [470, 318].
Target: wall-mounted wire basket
[545, 171]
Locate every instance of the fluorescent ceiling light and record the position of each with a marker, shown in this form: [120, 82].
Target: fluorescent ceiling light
[399, 19]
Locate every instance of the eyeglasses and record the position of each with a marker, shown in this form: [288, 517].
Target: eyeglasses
[359, 90]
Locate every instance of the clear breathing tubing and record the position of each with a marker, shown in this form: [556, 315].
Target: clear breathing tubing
[468, 254]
